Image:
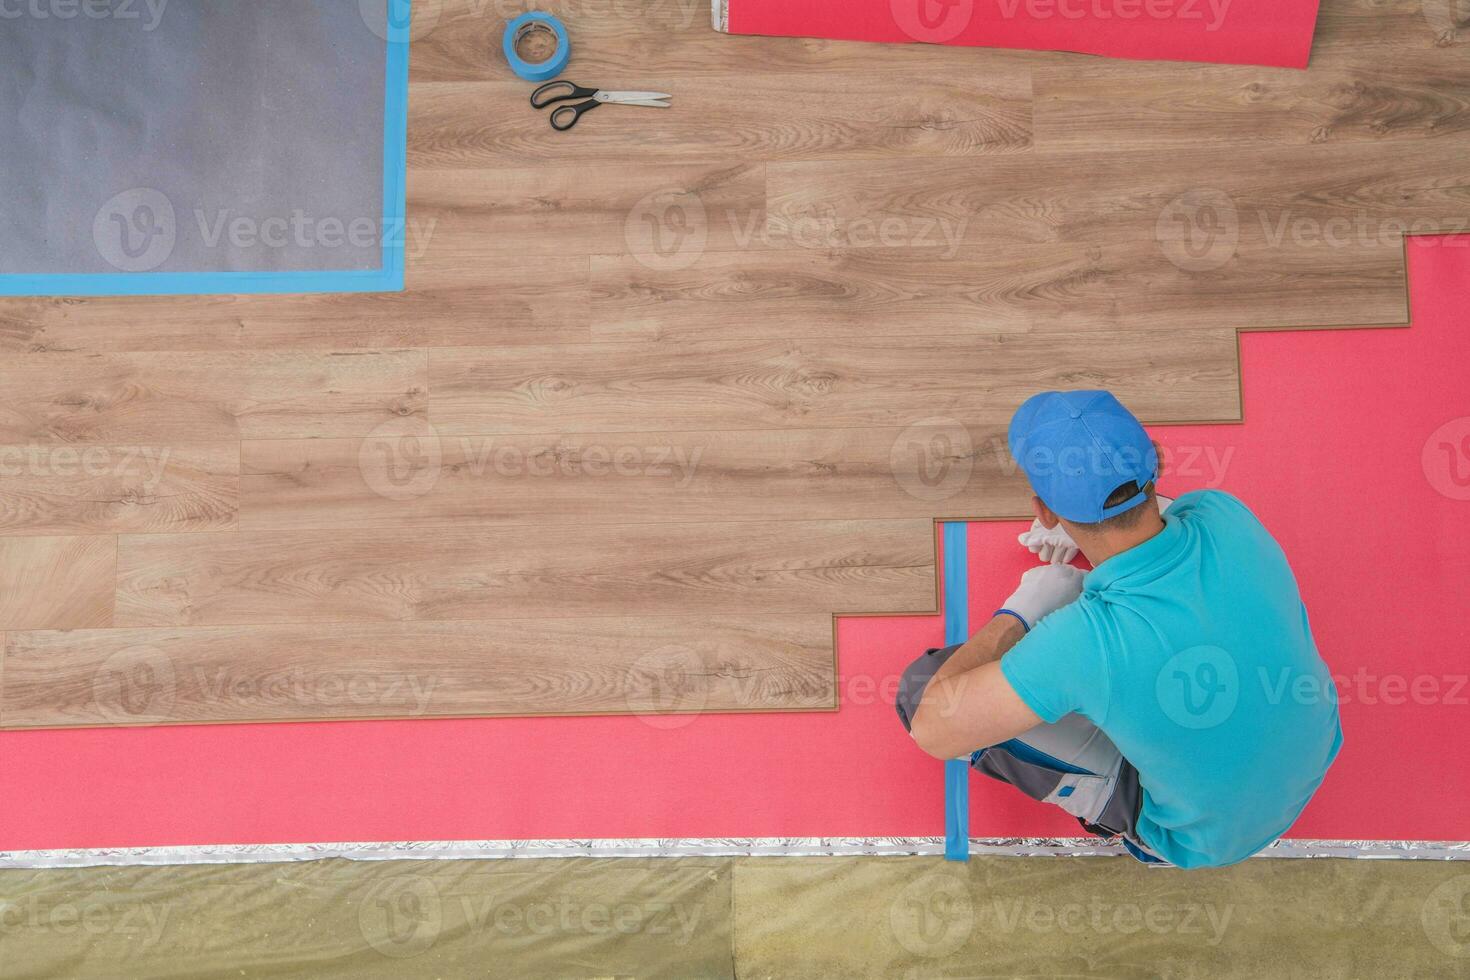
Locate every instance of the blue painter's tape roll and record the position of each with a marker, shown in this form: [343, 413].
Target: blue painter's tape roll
[541, 71]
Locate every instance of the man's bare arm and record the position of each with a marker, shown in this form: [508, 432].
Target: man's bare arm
[991, 643]
[969, 704]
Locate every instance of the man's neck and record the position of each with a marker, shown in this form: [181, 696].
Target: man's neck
[1100, 547]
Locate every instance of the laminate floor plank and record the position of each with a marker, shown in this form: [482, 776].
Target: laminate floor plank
[643, 665]
[1260, 196]
[1183, 283]
[936, 466]
[485, 573]
[458, 294]
[1136, 107]
[563, 213]
[193, 397]
[745, 116]
[1419, 35]
[49, 489]
[780, 384]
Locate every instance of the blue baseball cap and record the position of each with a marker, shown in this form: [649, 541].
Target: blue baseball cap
[1077, 447]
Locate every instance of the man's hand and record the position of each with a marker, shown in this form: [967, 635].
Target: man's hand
[1052, 545]
[1044, 590]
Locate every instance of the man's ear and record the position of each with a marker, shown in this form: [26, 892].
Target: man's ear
[1044, 514]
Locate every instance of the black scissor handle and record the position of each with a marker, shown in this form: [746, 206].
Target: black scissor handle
[564, 117]
[559, 91]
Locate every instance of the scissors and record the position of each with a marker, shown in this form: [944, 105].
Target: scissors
[565, 117]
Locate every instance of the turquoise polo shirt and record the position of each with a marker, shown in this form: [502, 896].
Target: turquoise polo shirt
[1192, 652]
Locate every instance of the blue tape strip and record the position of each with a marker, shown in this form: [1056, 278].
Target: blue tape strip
[387, 279]
[956, 583]
[956, 630]
[540, 71]
[196, 283]
[957, 810]
[395, 145]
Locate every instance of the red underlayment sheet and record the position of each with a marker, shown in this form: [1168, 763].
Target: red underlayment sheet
[1238, 32]
[1355, 452]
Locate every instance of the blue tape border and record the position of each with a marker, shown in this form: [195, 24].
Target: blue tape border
[388, 278]
[956, 630]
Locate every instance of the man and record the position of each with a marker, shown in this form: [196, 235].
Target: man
[1173, 695]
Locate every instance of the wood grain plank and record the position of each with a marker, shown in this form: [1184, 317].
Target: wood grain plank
[63, 489]
[520, 573]
[1100, 198]
[185, 397]
[567, 213]
[856, 292]
[63, 583]
[1183, 375]
[744, 116]
[1111, 107]
[1424, 35]
[457, 294]
[643, 665]
[934, 467]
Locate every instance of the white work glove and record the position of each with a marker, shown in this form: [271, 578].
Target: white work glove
[1044, 590]
[1055, 545]
[1052, 545]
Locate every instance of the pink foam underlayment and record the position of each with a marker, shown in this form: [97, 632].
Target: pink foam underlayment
[1243, 32]
[1355, 452]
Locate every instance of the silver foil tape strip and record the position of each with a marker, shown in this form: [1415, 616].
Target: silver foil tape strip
[708, 847]
[720, 15]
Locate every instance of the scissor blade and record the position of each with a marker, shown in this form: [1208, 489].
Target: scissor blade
[635, 98]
